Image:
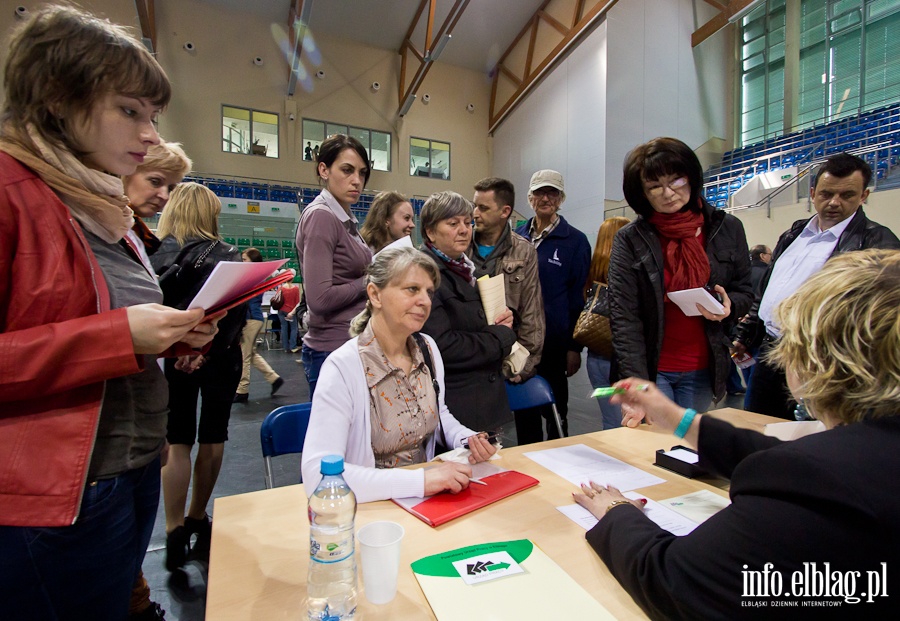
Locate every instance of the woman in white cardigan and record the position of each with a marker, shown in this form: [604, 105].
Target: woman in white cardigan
[377, 403]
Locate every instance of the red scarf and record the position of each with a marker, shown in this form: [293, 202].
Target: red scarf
[683, 252]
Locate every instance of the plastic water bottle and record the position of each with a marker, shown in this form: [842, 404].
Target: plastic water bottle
[331, 584]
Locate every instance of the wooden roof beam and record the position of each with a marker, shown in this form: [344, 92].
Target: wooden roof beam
[721, 20]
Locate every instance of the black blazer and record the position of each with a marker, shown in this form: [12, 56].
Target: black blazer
[827, 498]
[473, 353]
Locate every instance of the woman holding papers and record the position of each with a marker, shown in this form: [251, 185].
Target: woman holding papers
[82, 400]
[819, 510]
[333, 257]
[473, 346]
[190, 249]
[381, 402]
[390, 218]
[678, 242]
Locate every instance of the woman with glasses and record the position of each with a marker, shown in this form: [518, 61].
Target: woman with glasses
[679, 241]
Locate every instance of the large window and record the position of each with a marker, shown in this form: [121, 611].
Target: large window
[429, 158]
[249, 131]
[377, 144]
[849, 62]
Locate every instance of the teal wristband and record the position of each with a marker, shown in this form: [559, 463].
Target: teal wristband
[685, 423]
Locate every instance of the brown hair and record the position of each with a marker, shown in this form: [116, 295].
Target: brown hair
[63, 60]
[503, 189]
[599, 271]
[253, 254]
[375, 228]
[337, 144]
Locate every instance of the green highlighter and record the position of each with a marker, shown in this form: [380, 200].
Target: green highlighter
[609, 391]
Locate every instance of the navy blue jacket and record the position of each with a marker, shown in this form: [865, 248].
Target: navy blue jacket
[254, 308]
[563, 261]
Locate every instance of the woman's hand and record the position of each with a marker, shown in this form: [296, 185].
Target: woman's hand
[190, 363]
[642, 400]
[598, 499]
[726, 302]
[480, 448]
[154, 327]
[448, 477]
[505, 318]
[203, 333]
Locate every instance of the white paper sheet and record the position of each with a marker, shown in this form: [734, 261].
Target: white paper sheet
[697, 506]
[792, 430]
[229, 279]
[403, 242]
[683, 455]
[687, 300]
[659, 514]
[493, 296]
[580, 464]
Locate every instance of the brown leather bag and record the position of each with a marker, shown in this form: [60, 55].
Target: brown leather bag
[592, 329]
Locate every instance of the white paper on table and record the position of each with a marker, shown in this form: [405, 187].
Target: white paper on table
[403, 242]
[687, 300]
[579, 464]
[664, 518]
[697, 506]
[229, 279]
[792, 430]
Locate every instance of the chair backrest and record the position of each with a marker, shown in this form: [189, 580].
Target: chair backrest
[531, 394]
[284, 430]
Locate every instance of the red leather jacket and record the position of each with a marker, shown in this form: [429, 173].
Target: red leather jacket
[59, 342]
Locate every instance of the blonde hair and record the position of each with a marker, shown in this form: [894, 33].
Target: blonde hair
[841, 337]
[375, 228]
[192, 211]
[387, 267]
[167, 157]
[599, 270]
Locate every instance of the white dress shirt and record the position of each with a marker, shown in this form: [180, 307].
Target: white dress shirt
[800, 260]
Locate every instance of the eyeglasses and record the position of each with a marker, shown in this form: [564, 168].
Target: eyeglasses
[674, 186]
[548, 192]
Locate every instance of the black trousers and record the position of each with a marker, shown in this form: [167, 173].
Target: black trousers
[552, 368]
[767, 392]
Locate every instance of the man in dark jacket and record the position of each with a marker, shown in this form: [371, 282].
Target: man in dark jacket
[564, 255]
[760, 257]
[839, 226]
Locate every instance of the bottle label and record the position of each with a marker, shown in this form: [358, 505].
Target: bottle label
[331, 550]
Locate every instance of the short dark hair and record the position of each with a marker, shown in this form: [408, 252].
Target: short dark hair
[655, 159]
[757, 251]
[844, 165]
[503, 189]
[254, 255]
[335, 145]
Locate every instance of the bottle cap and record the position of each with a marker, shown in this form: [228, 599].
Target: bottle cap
[332, 464]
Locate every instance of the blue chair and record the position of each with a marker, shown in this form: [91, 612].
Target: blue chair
[531, 394]
[283, 432]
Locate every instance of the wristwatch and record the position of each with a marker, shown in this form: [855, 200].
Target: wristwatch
[616, 503]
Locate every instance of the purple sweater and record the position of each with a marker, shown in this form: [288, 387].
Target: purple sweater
[333, 262]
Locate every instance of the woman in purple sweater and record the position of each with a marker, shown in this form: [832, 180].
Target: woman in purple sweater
[333, 256]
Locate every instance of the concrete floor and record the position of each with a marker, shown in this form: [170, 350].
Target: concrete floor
[183, 594]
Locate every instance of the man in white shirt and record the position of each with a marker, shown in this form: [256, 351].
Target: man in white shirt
[839, 226]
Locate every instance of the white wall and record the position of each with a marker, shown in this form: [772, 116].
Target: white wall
[634, 78]
[562, 125]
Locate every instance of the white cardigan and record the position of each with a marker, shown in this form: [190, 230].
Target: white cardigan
[340, 424]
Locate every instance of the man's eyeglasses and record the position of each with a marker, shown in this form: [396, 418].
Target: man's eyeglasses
[548, 192]
[674, 186]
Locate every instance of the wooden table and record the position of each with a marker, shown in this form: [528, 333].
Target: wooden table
[260, 541]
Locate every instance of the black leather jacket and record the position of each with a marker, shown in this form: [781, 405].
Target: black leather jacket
[636, 294]
[860, 234]
[180, 281]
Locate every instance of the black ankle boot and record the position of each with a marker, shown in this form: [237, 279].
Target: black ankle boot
[178, 544]
[202, 528]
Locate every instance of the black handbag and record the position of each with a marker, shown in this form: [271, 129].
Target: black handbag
[182, 280]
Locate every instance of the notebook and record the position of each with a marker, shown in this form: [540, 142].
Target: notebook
[505, 580]
[441, 508]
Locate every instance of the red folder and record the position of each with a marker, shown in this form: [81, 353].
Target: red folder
[442, 508]
[271, 283]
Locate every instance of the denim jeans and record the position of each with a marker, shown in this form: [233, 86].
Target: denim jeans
[598, 372]
[86, 570]
[289, 329]
[689, 389]
[312, 364]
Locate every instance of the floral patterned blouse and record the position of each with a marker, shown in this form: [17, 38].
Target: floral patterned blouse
[403, 408]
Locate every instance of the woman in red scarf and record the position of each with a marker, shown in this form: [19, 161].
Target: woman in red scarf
[679, 241]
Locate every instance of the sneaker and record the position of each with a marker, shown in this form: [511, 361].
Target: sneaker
[178, 544]
[241, 397]
[276, 385]
[153, 612]
[295, 350]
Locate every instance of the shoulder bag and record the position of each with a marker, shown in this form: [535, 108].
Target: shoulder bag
[592, 329]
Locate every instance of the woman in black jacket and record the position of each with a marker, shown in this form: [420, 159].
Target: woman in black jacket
[190, 249]
[677, 242]
[472, 346]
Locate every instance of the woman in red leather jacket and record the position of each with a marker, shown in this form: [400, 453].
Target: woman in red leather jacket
[82, 400]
